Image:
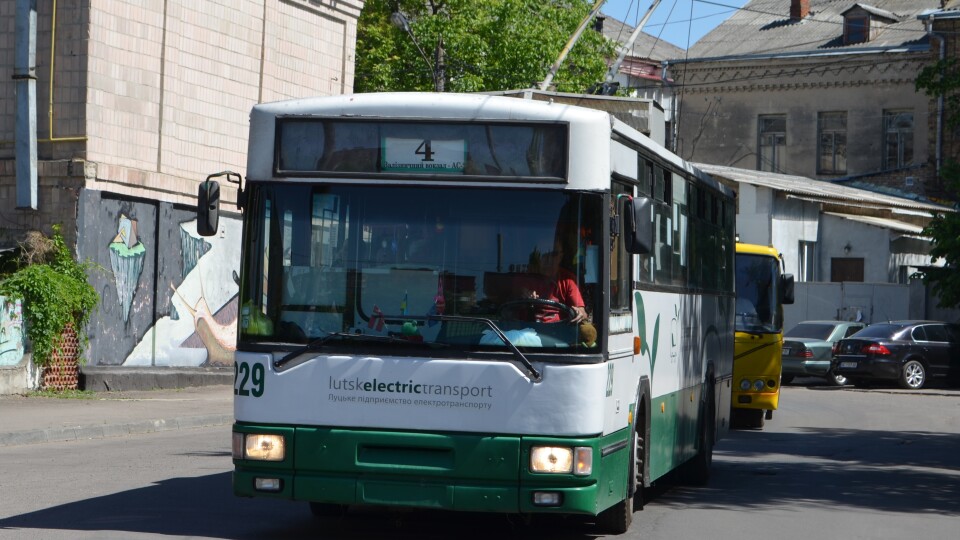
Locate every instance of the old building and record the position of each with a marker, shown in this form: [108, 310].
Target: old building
[641, 73]
[943, 25]
[112, 111]
[823, 89]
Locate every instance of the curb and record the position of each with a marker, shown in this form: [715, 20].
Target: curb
[39, 436]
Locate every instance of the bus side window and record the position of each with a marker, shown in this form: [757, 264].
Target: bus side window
[621, 276]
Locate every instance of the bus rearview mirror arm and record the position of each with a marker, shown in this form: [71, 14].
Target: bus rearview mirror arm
[787, 289]
[208, 201]
[638, 225]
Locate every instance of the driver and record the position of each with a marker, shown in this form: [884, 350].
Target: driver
[560, 286]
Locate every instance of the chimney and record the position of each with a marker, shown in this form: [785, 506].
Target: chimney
[799, 9]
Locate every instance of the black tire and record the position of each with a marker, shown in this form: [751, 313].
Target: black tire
[746, 418]
[696, 472]
[786, 379]
[327, 510]
[859, 383]
[836, 380]
[913, 375]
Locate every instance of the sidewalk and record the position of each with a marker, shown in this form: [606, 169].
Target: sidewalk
[30, 420]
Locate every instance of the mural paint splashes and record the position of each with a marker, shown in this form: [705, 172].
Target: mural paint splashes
[126, 260]
[192, 249]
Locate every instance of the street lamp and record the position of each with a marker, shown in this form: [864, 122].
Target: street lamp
[400, 21]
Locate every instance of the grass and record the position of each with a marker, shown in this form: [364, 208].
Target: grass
[64, 394]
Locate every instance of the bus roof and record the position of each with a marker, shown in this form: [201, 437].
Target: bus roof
[591, 129]
[757, 249]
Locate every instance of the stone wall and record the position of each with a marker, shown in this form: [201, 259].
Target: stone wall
[722, 100]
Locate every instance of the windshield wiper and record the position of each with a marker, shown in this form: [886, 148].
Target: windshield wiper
[534, 372]
[320, 342]
[313, 345]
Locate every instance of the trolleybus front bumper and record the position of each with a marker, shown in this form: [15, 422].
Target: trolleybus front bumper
[464, 472]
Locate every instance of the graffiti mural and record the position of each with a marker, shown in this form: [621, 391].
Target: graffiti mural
[126, 260]
[194, 333]
[168, 295]
[11, 331]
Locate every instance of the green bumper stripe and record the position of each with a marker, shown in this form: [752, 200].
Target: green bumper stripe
[426, 470]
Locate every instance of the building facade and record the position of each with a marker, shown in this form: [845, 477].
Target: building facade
[822, 89]
[130, 104]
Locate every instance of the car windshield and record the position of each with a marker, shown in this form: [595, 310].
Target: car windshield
[428, 265]
[810, 330]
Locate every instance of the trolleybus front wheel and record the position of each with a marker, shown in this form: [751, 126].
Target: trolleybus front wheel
[327, 510]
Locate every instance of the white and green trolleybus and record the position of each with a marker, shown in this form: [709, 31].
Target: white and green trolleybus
[475, 303]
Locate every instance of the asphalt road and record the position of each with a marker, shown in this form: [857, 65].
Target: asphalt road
[833, 463]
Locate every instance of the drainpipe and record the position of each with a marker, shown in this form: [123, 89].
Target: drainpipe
[940, 107]
[25, 75]
[674, 121]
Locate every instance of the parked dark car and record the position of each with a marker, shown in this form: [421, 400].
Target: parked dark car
[808, 349]
[909, 352]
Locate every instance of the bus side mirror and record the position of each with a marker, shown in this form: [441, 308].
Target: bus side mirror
[786, 288]
[208, 208]
[638, 225]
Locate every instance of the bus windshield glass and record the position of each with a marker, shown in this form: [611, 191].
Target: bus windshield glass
[757, 294]
[413, 268]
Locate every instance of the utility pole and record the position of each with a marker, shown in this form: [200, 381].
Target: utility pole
[573, 41]
[438, 67]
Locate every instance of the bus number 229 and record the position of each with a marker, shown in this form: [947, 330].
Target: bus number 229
[244, 374]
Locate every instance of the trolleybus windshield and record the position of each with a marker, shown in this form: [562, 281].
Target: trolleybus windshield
[427, 265]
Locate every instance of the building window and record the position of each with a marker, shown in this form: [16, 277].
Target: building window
[772, 142]
[897, 139]
[856, 29]
[846, 269]
[832, 143]
[808, 261]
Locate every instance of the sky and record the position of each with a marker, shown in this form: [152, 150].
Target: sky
[672, 19]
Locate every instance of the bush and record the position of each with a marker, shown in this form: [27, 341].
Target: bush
[54, 290]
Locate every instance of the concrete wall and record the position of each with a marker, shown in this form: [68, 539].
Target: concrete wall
[722, 101]
[870, 243]
[158, 94]
[148, 99]
[168, 296]
[872, 302]
[867, 302]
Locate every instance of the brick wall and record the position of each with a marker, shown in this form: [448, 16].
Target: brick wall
[154, 96]
[58, 191]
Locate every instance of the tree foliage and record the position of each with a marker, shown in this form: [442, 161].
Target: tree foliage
[942, 79]
[54, 290]
[487, 45]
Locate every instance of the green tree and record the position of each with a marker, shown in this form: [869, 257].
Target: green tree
[942, 80]
[475, 45]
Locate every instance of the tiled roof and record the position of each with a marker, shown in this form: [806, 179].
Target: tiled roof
[764, 27]
[646, 45]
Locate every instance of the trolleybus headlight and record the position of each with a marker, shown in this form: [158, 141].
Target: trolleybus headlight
[561, 459]
[758, 385]
[551, 459]
[258, 446]
[745, 384]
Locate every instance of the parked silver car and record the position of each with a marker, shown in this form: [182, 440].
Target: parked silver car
[808, 346]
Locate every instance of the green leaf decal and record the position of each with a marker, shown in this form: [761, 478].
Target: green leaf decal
[656, 338]
[641, 323]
